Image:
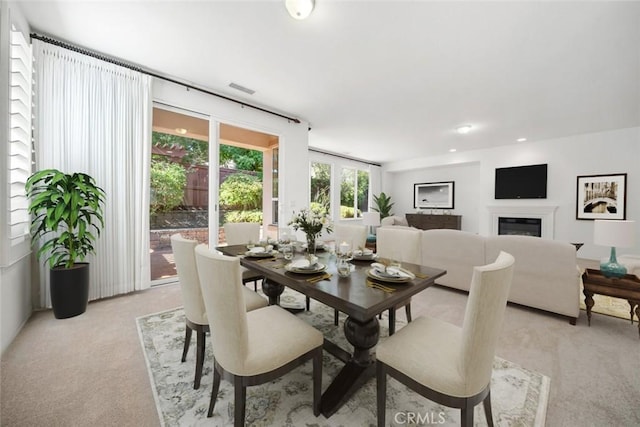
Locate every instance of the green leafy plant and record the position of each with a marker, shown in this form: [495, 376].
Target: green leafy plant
[383, 205]
[243, 216]
[349, 212]
[167, 182]
[241, 192]
[69, 206]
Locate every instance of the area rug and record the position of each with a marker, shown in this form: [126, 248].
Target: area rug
[519, 396]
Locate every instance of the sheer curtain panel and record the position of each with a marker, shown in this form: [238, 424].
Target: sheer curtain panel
[95, 117]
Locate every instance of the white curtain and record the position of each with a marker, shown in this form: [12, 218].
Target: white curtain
[95, 117]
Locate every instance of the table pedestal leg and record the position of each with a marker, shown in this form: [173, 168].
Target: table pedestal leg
[360, 368]
[588, 301]
[272, 290]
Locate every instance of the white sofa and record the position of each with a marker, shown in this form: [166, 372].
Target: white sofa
[546, 274]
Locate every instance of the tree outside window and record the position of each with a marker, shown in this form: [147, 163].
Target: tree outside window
[320, 187]
[354, 193]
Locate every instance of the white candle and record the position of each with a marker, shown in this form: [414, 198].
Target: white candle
[344, 247]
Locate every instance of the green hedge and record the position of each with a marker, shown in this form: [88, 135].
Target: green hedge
[243, 216]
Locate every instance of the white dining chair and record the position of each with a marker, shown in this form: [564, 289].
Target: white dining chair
[400, 245]
[445, 363]
[194, 308]
[251, 348]
[242, 233]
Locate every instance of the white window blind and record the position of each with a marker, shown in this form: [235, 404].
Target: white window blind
[20, 159]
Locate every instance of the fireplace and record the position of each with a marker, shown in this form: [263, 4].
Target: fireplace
[520, 226]
[544, 213]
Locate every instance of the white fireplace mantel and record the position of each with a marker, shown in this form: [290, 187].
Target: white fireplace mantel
[544, 213]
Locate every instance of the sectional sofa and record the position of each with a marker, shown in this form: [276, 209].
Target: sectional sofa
[546, 274]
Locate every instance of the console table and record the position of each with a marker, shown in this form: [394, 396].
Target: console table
[428, 222]
[627, 287]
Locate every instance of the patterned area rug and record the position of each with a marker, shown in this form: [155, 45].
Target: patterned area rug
[519, 396]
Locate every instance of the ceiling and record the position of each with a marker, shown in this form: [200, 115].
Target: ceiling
[386, 80]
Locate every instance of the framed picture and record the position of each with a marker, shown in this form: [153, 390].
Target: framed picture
[602, 197]
[433, 195]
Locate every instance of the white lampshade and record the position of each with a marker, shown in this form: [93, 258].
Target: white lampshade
[619, 234]
[371, 218]
[299, 9]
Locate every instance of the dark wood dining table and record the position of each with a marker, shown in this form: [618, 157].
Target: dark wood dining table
[350, 295]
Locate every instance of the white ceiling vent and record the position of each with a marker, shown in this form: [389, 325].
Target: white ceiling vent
[242, 88]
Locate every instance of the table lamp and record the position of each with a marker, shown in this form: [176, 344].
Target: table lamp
[371, 219]
[612, 233]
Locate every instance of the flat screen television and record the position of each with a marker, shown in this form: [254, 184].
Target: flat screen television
[521, 182]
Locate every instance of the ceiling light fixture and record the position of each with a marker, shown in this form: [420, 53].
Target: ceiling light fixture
[464, 129]
[452, 150]
[521, 139]
[299, 9]
[181, 131]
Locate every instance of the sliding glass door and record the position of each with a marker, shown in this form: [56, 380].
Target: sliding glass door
[179, 181]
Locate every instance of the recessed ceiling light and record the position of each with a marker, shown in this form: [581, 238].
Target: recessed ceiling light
[452, 150]
[181, 131]
[521, 139]
[464, 129]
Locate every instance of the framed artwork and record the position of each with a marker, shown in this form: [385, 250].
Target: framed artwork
[602, 197]
[433, 195]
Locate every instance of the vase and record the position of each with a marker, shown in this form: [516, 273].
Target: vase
[311, 245]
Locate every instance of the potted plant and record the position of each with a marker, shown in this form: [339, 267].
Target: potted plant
[383, 205]
[67, 216]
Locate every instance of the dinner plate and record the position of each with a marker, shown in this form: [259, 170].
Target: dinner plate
[383, 277]
[306, 270]
[259, 254]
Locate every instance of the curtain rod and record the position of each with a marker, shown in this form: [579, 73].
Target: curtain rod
[328, 153]
[93, 54]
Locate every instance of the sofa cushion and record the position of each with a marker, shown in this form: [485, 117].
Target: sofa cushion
[394, 220]
[455, 251]
[545, 274]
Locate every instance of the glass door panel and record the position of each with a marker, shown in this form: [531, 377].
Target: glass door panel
[179, 181]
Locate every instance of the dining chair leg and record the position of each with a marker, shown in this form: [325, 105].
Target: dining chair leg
[240, 393]
[317, 381]
[336, 317]
[487, 409]
[308, 302]
[187, 341]
[214, 391]
[200, 340]
[466, 415]
[407, 310]
[392, 321]
[381, 393]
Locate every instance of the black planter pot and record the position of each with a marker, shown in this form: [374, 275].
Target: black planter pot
[69, 290]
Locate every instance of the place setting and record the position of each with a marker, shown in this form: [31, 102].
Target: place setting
[381, 275]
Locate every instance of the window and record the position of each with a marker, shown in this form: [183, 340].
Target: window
[354, 193]
[320, 187]
[19, 148]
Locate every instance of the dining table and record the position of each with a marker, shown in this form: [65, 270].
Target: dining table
[359, 295]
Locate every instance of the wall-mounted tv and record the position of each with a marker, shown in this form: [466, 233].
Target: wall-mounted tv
[521, 182]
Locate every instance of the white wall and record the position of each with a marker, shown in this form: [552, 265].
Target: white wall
[15, 278]
[616, 151]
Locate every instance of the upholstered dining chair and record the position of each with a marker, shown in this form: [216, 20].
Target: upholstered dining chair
[400, 245]
[194, 308]
[255, 347]
[447, 364]
[241, 233]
